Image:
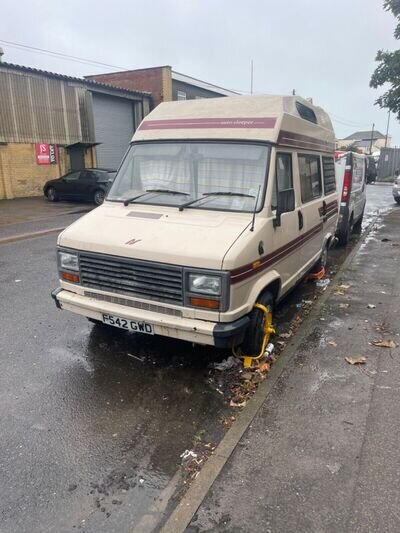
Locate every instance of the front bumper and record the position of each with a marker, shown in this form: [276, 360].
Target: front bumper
[219, 334]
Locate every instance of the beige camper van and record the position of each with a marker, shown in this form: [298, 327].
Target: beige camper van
[219, 208]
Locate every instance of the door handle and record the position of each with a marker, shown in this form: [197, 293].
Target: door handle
[301, 219]
[324, 208]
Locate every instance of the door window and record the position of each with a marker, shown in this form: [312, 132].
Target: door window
[72, 176]
[328, 167]
[283, 176]
[310, 177]
[87, 176]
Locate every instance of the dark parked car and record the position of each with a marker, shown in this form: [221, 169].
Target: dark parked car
[87, 184]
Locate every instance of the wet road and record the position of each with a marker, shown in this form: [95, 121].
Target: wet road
[94, 420]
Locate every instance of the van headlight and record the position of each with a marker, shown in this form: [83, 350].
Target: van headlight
[205, 284]
[68, 261]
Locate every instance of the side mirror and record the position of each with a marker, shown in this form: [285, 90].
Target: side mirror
[285, 204]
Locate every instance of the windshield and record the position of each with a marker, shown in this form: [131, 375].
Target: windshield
[174, 173]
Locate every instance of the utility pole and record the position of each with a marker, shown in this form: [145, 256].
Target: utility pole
[251, 78]
[372, 138]
[387, 129]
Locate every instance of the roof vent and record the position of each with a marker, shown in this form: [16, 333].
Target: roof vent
[306, 112]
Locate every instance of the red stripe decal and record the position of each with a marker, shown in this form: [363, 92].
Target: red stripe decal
[211, 123]
[246, 271]
[304, 142]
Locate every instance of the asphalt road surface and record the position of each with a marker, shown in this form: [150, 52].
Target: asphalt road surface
[93, 420]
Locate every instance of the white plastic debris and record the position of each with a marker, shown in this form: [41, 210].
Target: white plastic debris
[141, 481]
[226, 364]
[188, 455]
[322, 283]
[269, 349]
[371, 306]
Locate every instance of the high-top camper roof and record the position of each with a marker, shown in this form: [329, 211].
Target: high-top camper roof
[285, 120]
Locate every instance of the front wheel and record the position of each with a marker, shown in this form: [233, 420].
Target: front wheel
[321, 263]
[51, 194]
[98, 197]
[259, 321]
[397, 200]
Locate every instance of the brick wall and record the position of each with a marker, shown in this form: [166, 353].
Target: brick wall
[21, 176]
[156, 80]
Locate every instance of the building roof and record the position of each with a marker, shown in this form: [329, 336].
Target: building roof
[202, 84]
[87, 82]
[178, 76]
[364, 136]
[275, 119]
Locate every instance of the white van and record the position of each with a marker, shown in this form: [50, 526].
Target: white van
[219, 205]
[351, 175]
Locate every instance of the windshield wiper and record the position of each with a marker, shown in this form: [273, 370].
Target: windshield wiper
[216, 193]
[148, 191]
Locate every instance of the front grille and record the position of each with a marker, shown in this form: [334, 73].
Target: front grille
[153, 281]
[146, 306]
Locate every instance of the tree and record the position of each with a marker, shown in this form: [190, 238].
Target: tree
[349, 148]
[388, 69]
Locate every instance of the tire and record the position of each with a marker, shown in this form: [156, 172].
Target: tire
[358, 225]
[345, 236]
[253, 339]
[397, 200]
[321, 263]
[98, 197]
[51, 194]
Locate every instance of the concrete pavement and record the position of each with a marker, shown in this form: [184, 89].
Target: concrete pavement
[22, 218]
[322, 455]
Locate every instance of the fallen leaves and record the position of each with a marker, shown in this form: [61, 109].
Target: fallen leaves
[332, 343]
[385, 343]
[356, 360]
[341, 289]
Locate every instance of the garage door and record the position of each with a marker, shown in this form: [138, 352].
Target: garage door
[113, 126]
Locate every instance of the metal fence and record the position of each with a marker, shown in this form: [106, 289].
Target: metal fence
[389, 162]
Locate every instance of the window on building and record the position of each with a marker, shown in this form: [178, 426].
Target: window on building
[181, 95]
[310, 177]
[283, 176]
[328, 167]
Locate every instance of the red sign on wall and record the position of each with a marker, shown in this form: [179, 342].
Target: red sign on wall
[46, 154]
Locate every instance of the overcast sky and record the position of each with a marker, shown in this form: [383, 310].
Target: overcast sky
[322, 48]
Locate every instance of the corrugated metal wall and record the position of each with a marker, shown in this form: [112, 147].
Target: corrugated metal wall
[389, 162]
[114, 125]
[41, 109]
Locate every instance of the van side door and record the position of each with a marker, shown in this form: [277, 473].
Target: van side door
[358, 186]
[311, 212]
[330, 207]
[284, 238]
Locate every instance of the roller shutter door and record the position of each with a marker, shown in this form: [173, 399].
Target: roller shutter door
[114, 127]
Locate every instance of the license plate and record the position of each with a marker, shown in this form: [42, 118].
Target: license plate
[132, 325]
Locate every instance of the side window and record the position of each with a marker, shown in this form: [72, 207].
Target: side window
[283, 176]
[310, 177]
[72, 176]
[181, 95]
[328, 168]
[85, 176]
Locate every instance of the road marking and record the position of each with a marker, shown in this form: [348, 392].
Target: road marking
[23, 236]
